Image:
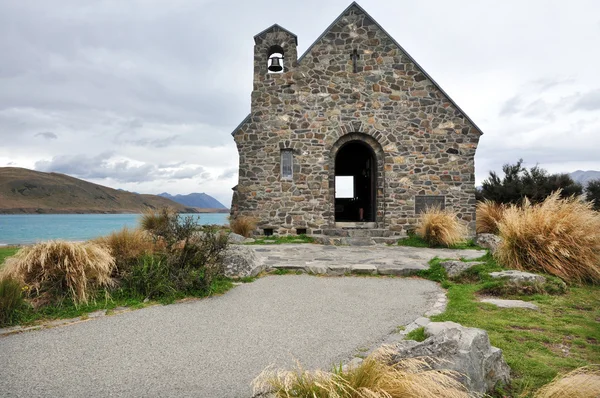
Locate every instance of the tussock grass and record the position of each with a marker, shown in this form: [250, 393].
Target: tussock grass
[156, 221]
[243, 225]
[58, 269]
[127, 246]
[440, 227]
[582, 382]
[375, 377]
[560, 237]
[489, 214]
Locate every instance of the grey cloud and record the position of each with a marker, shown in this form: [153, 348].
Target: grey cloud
[589, 101]
[511, 106]
[228, 174]
[156, 143]
[187, 173]
[47, 135]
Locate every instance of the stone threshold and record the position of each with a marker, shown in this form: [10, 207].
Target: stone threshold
[352, 269]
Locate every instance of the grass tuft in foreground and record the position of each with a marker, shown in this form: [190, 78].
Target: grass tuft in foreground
[56, 270]
[376, 377]
[243, 225]
[583, 382]
[560, 237]
[489, 214]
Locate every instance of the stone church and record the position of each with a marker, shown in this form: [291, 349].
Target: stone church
[353, 134]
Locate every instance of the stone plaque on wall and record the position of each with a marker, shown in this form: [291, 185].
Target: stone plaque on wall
[422, 202]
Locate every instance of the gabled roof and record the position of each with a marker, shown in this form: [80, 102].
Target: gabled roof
[362, 10]
[275, 28]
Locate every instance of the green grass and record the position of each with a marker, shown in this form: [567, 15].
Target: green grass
[6, 252]
[118, 298]
[416, 241]
[537, 345]
[418, 334]
[278, 240]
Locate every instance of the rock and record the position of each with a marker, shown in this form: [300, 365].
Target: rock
[464, 350]
[518, 277]
[235, 238]
[249, 240]
[489, 241]
[510, 303]
[241, 261]
[363, 269]
[455, 268]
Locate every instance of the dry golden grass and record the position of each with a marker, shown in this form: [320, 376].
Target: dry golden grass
[581, 383]
[489, 214]
[243, 225]
[156, 221]
[127, 246]
[440, 227]
[374, 378]
[56, 269]
[558, 236]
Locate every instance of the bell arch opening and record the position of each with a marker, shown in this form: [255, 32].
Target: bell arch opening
[355, 183]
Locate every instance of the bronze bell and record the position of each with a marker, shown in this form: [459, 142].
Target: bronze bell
[275, 65]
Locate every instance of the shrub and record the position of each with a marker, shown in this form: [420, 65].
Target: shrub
[583, 382]
[592, 192]
[58, 269]
[440, 227]
[243, 225]
[559, 236]
[488, 215]
[157, 222]
[11, 299]
[375, 377]
[519, 183]
[150, 277]
[127, 246]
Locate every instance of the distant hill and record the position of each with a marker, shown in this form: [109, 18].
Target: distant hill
[29, 191]
[200, 200]
[583, 177]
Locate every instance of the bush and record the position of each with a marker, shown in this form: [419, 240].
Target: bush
[58, 269]
[593, 193]
[376, 377]
[488, 215]
[519, 183]
[583, 382]
[127, 246]
[243, 225]
[560, 237]
[150, 277]
[440, 228]
[11, 300]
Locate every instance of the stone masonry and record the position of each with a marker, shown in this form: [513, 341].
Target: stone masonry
[423, 143]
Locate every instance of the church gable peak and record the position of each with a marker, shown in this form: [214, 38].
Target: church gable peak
[273, 29]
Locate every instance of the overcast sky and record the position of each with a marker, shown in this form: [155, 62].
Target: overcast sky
[143, 94]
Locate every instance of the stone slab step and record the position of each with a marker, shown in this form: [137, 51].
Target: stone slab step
[358, 232]
[391, 240]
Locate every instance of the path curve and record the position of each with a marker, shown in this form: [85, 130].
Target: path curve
[216, 346]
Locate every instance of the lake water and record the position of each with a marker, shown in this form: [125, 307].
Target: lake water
[30, 228]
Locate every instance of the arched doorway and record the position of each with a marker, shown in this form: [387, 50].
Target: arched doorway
[355, 183]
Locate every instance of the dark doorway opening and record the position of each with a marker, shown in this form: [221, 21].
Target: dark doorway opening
[355, 183]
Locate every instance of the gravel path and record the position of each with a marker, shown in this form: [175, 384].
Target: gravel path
[214, 347]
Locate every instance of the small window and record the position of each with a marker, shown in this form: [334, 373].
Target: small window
[268, 231]
[287, 163]
[301, 231]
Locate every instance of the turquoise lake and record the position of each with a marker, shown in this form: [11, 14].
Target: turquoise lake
[30, 228]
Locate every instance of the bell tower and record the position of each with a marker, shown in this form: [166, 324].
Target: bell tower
[275, 51]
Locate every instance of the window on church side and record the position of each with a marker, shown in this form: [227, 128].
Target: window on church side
[287, 163]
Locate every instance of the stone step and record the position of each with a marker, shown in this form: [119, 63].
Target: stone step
[358, 232]
[386, 240]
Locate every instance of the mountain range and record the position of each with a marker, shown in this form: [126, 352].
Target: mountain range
[199, 200]
[24, 191]
[583, 177]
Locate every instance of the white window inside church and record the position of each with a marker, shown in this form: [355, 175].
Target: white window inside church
[344, 186]
[287, 163]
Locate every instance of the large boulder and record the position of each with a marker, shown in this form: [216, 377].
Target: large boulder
[235, 238]
[241, 261]
[518, 278]
[464, 350]
[489, 241]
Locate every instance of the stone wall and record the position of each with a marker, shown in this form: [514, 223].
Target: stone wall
[424, 145]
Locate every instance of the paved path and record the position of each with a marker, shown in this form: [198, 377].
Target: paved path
[340, 260]
[214, 347]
